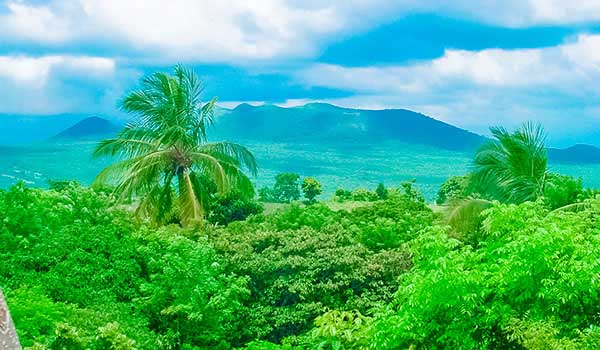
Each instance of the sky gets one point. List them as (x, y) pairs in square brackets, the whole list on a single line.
[(469, 63)]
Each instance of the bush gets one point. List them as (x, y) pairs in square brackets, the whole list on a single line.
[(381, 191), (232, 207), (561, 190), (311, 188), (363, 195), (456, 187), (286, 188), (80, 275), (342, 195), (531, 285), (299, 268)]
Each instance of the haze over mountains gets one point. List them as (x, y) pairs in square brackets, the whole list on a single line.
[(311, 123)]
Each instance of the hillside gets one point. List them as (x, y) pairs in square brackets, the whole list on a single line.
[(331, 124), (579, 153), (90, 127)]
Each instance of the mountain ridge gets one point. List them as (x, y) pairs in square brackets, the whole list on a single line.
[(90, 127)]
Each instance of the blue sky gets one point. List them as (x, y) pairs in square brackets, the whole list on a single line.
[(472, 64)]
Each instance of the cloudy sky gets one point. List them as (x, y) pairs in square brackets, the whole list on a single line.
[(470, 63)]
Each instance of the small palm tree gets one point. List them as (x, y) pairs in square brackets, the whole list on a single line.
[(513, 167), (164, 155)]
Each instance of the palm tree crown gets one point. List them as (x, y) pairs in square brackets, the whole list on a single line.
[(513, 167), (165, 155)]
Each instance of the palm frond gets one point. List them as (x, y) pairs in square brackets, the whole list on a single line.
[(512, 168), (464, 215)]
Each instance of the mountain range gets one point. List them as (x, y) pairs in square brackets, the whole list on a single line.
[(330, 125)]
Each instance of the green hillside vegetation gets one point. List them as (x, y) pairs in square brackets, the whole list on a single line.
[(172, 249)]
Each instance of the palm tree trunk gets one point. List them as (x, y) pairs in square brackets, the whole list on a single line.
[(8, 334), (191, 208)]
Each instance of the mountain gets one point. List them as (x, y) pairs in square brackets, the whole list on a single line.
[(24, 129), (91, 127), (579, 153), (325, 123)]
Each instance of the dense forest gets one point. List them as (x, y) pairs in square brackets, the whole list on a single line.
[(172, 248)]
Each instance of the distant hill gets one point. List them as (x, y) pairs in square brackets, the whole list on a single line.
[(331, 124), (579, 153), (91, 127)]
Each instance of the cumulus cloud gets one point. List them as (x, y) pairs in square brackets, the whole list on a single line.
[(192, 30), (562, 67), (477, 88), (58, 84), (238, 30)]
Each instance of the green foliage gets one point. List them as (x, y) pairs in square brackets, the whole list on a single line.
[(187, 296), (561, 190), (455, 188), (532, 284), (381, 191), (302, 261), (233, 206), (340, 330), (286, 188), (363, 195), (342, 195), (311, 188), (390, 223), (80, 274), (512, 168), (164, 152)]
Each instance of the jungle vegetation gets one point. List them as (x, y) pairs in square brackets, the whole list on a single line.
[(509, 258)]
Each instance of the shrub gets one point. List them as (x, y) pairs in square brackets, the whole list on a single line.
[(531, 285), (456, 187), (363, 195), (311, 188), (561, 190), (342, 195), (286, 188), (232, 206), (381, 191), (299, 268)]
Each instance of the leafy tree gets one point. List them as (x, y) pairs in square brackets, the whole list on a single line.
[(165, 151), (381, 191), (311, 188), (342, 195), (265, 194), (286, 188), (363, 195), (561, 190), (455, 187), (532, 285), (231, 207)]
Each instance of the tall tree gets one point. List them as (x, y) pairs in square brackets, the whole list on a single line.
[(165, 152)]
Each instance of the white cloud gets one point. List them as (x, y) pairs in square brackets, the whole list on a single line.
[(34, 72), (57, 84), (34, 23), (192, 30), (238, 30), (475, 89), (562, 67)]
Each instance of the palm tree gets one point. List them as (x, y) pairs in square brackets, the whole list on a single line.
[(165, 156), (512, 168)]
